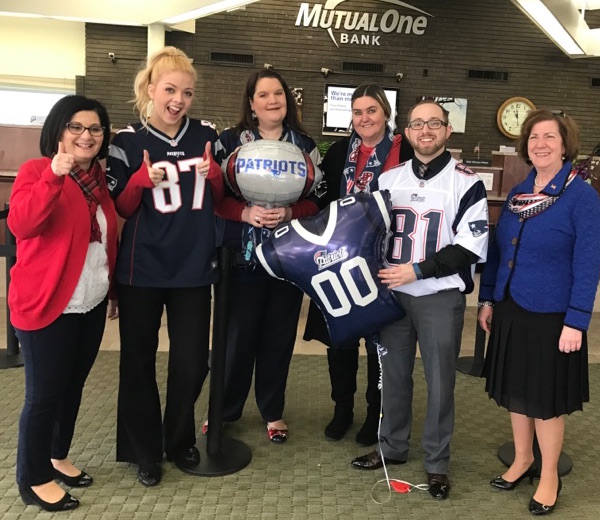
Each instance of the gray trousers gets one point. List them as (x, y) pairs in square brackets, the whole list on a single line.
[(435, 322)]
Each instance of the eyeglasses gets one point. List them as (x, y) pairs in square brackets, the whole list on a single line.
[(78, 129), (433, 124)]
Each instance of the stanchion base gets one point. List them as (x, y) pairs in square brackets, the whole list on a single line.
[(234, 456), (467, 365), (10, 361), (506, 454)]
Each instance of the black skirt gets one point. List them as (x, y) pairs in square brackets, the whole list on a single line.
[(524, 370)]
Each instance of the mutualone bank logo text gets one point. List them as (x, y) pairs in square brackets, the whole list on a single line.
[(366, 27)]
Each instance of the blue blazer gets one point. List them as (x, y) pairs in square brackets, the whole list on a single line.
[(549, 262)]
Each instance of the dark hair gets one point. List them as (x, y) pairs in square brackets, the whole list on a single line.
[(291, 117), (374, 91), (427, 102), (567, 128), (61, 113)]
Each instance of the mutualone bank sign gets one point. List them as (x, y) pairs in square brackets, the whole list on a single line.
[(362, 28)]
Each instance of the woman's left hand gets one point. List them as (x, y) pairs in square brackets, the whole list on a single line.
[(275, 216), (112, 312), (570, 340)]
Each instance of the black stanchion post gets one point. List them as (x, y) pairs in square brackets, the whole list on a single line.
[(11, 357), (506, 454), (222, 455)]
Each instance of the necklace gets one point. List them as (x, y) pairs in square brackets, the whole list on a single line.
[(538, 185)]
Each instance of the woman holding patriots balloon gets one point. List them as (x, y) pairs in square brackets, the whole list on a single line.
[(263, 311)]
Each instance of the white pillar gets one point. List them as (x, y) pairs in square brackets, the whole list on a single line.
[(156, 37)]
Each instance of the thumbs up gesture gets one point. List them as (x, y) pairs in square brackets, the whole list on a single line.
[(62, 162), (204, 166), (156, 174)]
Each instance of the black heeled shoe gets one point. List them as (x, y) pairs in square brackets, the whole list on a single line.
[(505, 485), (66, 503), (537, 509), (81, 480)]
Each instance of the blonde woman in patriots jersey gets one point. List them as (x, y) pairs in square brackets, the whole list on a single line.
[(165, 183), (440, 230)]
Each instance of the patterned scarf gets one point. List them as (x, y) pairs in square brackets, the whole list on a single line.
[(528, 205), (367, 179), (91, 184)]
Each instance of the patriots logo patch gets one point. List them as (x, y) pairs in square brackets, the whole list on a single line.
[(246, 137), (478, 227), (111, 182)]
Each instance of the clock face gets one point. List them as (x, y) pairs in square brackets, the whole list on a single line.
[(511, 115)]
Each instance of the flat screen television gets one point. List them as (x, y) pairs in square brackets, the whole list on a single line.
[(337, 110)]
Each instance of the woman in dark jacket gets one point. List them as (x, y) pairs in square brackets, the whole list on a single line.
[(263, 311), (352, 165)]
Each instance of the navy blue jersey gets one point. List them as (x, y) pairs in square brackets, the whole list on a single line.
[(170, 239), (334, 257)]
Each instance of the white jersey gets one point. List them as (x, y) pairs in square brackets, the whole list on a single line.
[(427, 215)]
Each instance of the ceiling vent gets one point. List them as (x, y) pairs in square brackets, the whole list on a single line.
[(232, 58), (490, 75), (364, 67)]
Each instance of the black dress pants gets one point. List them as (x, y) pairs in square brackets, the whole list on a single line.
[(263, 317), (140, 427)]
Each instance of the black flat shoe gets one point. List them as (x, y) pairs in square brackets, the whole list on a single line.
[(373, 460), (66, 503), (505, 485), (186, 459), (537, 509), (81, 480), (439, 486), (150, 475)]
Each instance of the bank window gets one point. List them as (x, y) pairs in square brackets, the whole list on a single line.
[(25, 107)]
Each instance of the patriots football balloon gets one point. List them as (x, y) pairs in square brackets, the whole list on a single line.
[(271, 173)]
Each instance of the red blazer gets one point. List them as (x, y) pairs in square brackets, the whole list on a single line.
[(49, 217)]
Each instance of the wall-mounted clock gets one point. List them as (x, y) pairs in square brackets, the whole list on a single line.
[(511, 115)]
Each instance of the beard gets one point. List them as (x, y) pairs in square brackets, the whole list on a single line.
[(432, 149)]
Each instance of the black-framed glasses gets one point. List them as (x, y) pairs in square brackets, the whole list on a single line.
[(78, 129), (433, 124)]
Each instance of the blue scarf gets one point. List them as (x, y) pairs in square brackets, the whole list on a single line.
[(367, 179)]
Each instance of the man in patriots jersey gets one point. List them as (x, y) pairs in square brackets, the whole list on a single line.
[(334, 257), (165, 184), (439, 226)]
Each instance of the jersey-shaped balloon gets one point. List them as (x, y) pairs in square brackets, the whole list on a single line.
[(334, 258)]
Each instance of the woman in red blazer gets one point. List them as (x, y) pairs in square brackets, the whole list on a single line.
[(66, 229)]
